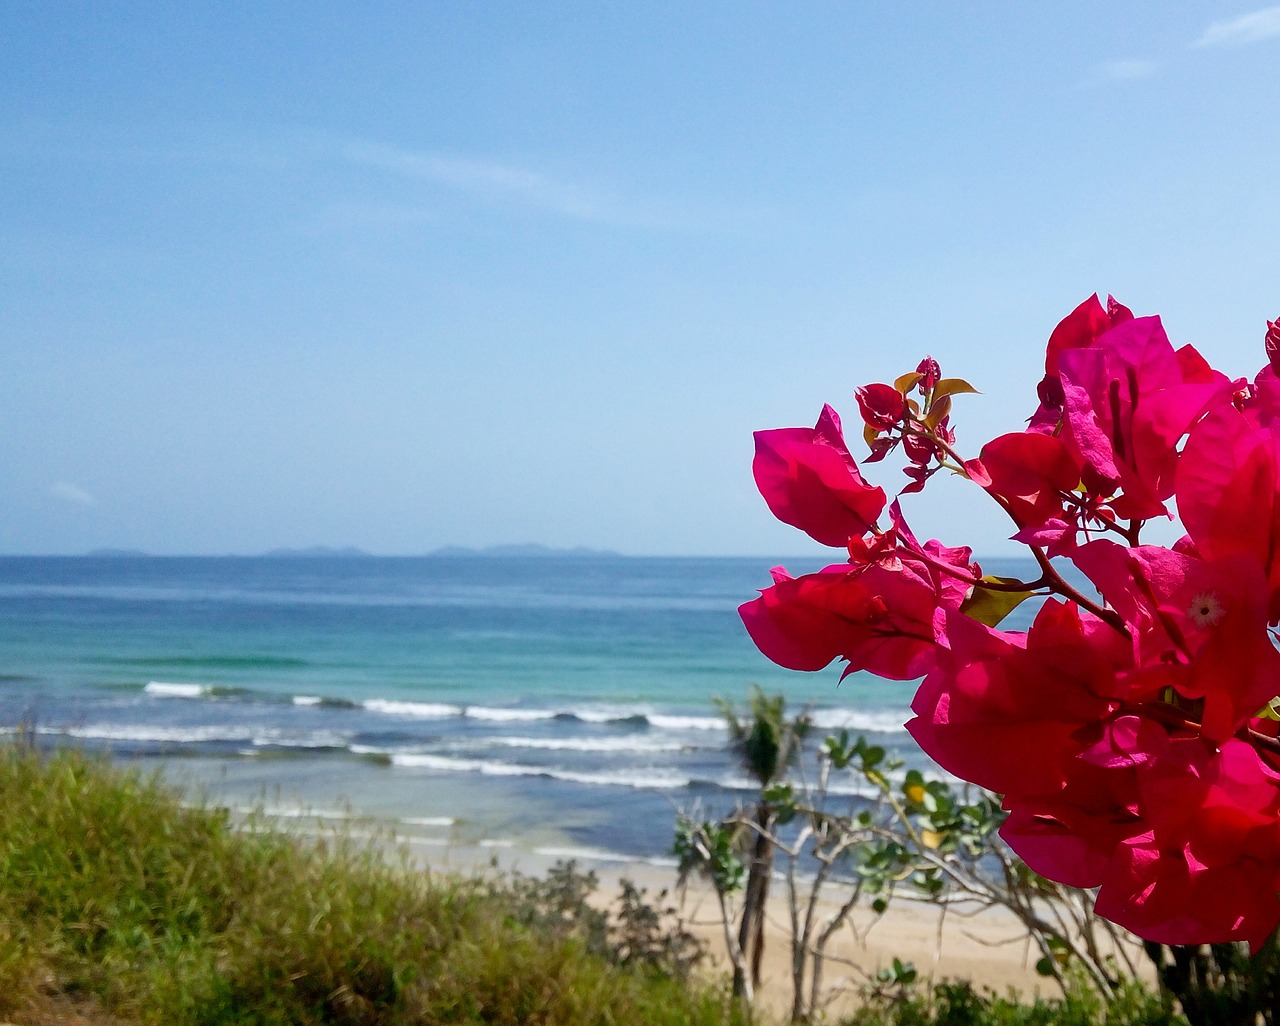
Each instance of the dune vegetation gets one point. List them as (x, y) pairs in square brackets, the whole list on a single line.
[(121, 904), (118, 903)]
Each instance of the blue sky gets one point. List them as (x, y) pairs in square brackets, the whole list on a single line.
[(406, 275)]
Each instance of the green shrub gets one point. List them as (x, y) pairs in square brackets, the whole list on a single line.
[(110, 888), (953, 1003)]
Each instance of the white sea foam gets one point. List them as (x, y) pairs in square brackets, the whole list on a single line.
[(606, 715), (279, 811), (310, 739), (591, 744), (879, 721), (665, 722), (428, 821), (585, 854), (482, 712), (662, 861), (421, 760), (495, 842), (658, 779), (646, 779), (153, 733), (307, 700), (167, 690), (305, 812), (420, 710)]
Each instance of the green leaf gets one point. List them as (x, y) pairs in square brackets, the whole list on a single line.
[(879, 905), (1044, 967), (779, 794), (1270, 711), (937, 412), (989, 606), (953, 386), (907, 382)]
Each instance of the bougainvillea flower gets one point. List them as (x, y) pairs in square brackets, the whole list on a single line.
[(1198, 626), (930, 374), (1071, 835), (1128, 400), (1132, 736), (1056, 536), (1220, 613), (1135, 582), (1003, 709), (948, 570), (882, 406), (810, 481), (952, 571), (875, 619), (1228, 492), (1205, 872), (1080, 328), (1166, 895), (1030, 472)]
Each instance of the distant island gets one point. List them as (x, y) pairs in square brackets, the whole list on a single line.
[(116, 554), (530, 549), (316, 552)]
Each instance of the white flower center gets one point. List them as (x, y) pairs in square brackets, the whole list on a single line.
[(1206, 610)]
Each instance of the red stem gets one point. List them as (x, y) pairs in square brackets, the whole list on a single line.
[(1050, 577)]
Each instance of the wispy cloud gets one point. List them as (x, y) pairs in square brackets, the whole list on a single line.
[(1131, 69), (1244, 30), (296, 155), (1128, 70), (68, 492), (513, 184)]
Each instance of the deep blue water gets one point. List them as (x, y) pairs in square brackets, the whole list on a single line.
[(540, 701)]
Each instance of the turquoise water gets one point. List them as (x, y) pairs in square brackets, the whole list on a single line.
[(561, 703)]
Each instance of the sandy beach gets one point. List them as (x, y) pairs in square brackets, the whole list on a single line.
[(987, 947)]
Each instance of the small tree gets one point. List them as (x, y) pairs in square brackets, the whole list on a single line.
[(768, 745), (909, 832)]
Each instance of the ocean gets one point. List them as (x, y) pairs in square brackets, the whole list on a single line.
[(554, 705)]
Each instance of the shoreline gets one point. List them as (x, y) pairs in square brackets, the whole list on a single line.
[(986, 947)]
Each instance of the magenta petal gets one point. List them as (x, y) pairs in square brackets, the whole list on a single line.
[(1128, 400), (1055, 535), (1059, 841), (810, 481), (1165, 895), (876, 619)]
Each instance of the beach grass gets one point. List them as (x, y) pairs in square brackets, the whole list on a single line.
[(121, 904), (117, 897)]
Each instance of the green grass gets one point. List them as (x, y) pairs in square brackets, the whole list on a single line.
[(111, 889), (124, 906), (953, 1003)]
